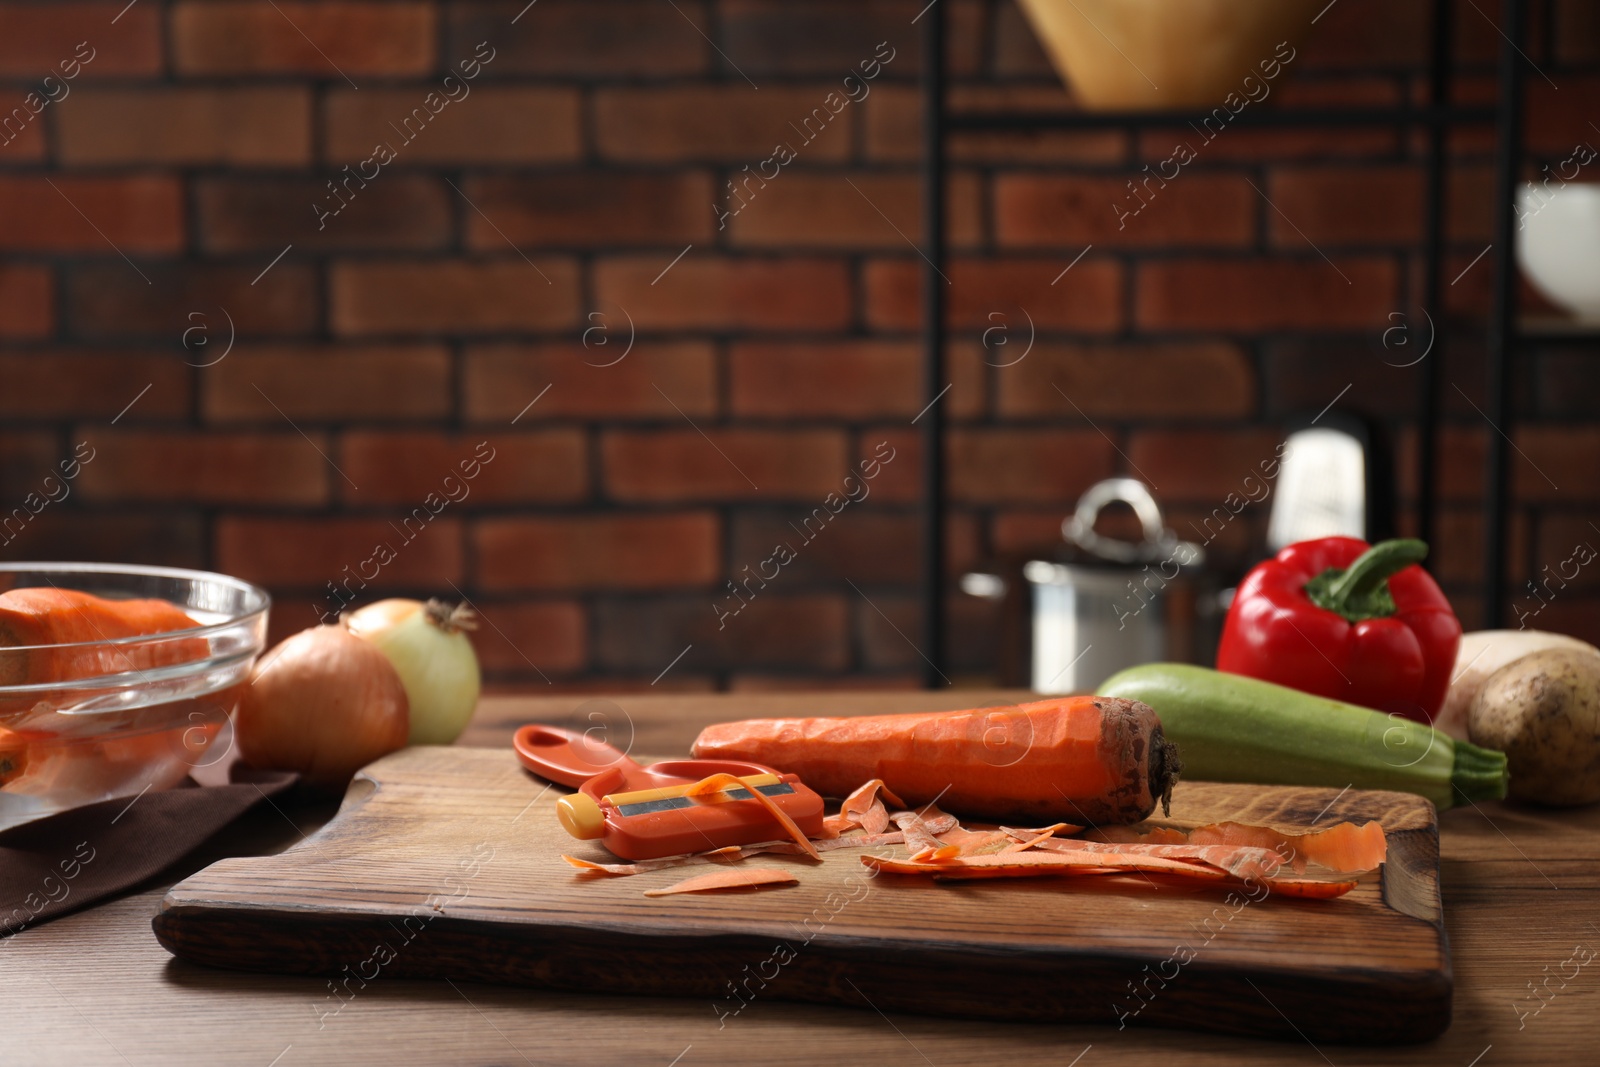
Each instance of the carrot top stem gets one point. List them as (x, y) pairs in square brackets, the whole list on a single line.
[(1165, 769)]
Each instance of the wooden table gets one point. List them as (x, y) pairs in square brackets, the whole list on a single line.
[(1521, 894)]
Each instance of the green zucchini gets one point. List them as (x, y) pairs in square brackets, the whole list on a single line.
[(1230, 728)]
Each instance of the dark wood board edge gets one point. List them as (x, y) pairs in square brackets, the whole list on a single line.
[(1411, 875), (1410, 881), (1356, 1006)]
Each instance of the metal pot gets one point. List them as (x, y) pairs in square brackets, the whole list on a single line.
[(1104, 604)]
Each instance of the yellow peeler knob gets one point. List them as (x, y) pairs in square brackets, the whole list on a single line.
[(581, 816)]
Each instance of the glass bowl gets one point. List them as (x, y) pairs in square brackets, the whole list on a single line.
[(152, 710)]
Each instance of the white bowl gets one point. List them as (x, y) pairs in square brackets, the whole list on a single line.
[(1558, 244)]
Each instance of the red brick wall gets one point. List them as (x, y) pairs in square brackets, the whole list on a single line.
[(513, 247)]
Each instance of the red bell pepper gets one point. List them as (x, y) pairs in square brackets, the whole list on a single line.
[(1337, 618)]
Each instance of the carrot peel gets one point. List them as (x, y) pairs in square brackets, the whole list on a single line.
[(1038, 837), (920, 835), (740, 879), (789, 848), (1308, 887), (1035, 864), (719, 783), (729, 854), (1341, 847)]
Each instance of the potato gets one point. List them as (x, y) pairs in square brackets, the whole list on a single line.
[(1480, 655), (1543, 712)]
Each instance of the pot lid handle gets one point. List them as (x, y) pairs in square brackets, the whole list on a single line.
[(1079, 528)]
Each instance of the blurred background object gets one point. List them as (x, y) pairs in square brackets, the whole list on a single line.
[(1558, 245), (1164, 53), (586, 278), (1335, 479), (1100, 602)]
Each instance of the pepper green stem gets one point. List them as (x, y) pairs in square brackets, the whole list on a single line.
[(1361, 591)]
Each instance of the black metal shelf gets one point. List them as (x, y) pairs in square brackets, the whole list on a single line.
[(1259, 117), (1503, 338), (1554, 331), (1436, 118)]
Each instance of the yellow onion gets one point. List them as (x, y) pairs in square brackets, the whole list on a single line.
[(434, 658), (323, 703)]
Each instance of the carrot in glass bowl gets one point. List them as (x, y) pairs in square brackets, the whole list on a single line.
[(119, 692), (83, 625)]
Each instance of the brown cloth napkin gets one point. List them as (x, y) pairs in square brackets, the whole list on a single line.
[(67, 861)]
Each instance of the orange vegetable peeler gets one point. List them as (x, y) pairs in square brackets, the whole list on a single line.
[(642, 813)]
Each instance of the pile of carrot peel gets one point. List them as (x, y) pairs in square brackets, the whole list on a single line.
[(1321, 864)]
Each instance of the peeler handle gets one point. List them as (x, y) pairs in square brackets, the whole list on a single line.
[(569, 757)]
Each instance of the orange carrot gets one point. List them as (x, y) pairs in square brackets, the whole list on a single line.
[(1080, 759), (735, 879), (51, 616)]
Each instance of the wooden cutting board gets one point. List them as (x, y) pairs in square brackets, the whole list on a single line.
[(444, 863)]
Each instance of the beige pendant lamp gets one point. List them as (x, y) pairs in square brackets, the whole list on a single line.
[(1128, 55)]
